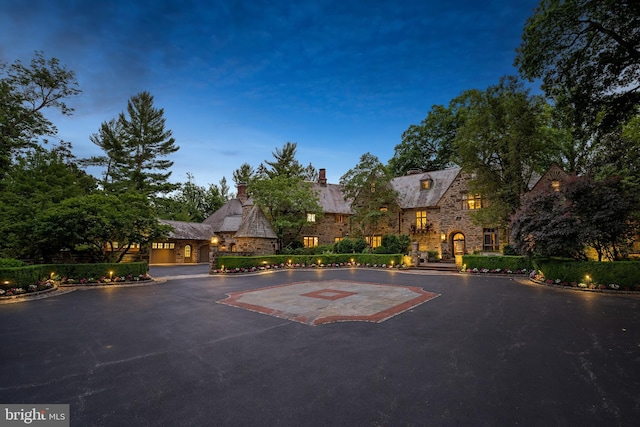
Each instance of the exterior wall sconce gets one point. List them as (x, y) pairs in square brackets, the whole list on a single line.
[(443, 237), (214, 240)]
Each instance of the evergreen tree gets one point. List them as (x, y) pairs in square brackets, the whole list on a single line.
[(136, 147)]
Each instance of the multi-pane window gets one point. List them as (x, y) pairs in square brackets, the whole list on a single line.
[(310, 241), (339, 218), (337, 239), (311, 217), (471, 201), (163, 245), (421, 220), (374, 241), (187, 251), (555, 185), (490, 242), (426, 184)]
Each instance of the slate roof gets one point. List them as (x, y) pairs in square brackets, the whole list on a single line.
[(188, 230), (410, 195), (226, 219), (256, 225), (331, 199)]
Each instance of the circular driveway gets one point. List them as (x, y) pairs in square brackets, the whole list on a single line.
[(487, 351)]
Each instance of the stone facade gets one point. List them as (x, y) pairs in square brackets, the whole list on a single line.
[(434, 208)]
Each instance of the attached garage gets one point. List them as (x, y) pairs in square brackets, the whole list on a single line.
[(187, 243)]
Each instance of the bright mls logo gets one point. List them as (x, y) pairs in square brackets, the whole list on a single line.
[(37, 415)]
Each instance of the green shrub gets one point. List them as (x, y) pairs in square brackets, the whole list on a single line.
[(396, 243), (10, 262), (22, 277), (622, 273), (509, 250), (349, 246), (233, 262), (512, 263)]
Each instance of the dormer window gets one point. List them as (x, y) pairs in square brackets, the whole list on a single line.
[(555, 185), (426, 184)]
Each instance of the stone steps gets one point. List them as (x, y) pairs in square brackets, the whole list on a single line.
[(437, 266)]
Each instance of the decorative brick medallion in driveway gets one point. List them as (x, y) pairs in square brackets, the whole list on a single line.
[(315, 303)]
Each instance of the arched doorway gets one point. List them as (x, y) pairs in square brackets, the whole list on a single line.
[(458, 244)]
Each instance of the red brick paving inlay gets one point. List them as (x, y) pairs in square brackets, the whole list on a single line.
[(318, 302)]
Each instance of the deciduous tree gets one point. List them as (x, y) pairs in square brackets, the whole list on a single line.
[(504, 141), (427, 146), (588, 52), (373, 201), (26, 92)]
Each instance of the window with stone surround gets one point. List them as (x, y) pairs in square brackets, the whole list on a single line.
[(311, 217), (426, 184), (339, 218), (472, 201), (490, 242), (421, 220), (310, 241)]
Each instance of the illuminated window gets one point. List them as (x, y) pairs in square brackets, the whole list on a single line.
[(490, 240), (339, 218), (374, 241), (426, 184), (311, 217), (187, 251), (115, 245), (472, 202), (421, 220), (157, 245), (383, 209), (555, 185), (310, 241), (337, 239)]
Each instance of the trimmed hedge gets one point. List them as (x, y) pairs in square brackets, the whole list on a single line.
[(22, 277), (497, 262), (233, 262), (625, 274)]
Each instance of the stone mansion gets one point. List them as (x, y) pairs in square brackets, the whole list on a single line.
[(433, 208)]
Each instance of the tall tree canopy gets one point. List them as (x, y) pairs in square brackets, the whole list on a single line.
[(427, 146), (26, 91), (136, 147), (368, 187), (286, 164), (36, 181), (587, 53), (282, 190), (504, 141)]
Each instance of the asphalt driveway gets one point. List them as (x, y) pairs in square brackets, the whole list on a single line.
[(488, 351)]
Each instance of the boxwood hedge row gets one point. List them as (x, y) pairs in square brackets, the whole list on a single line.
[(22, 277), (233, 262)]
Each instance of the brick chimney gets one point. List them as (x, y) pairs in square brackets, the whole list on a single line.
[(322, 176), (242, 192)]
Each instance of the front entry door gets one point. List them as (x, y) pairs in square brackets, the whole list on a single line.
[(458, 244)]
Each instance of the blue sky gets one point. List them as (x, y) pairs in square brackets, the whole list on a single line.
[(238, 79)]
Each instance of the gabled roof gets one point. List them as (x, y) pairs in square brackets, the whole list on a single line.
[(226, 219), (410, 194), (331, 198), (256, 225), (188, 230)]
